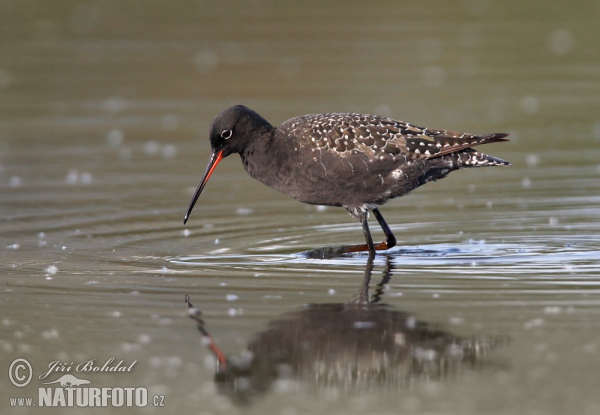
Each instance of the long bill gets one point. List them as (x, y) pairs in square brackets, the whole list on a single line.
[(214, 159)]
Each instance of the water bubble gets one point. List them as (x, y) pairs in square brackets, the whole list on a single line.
[(50, 334), (72, 176), (231, 297), (530, 104), (169, 122), (560, 41), (186, 232), (526, 183), (151, 148), (169, 151), (553, 221), (552, 310), (433, 76), (15, 181), (331, 291), (51, 269), (206, 61), (532, 160), (13, 246), (115, 137), (85, 178), (244, 211), (113, 105), (321, 208)]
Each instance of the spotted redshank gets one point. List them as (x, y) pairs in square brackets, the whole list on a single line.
[(355, 161)]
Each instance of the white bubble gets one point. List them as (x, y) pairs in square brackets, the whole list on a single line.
[(151, 148), (50, 334), (72, 176), (85, 178), (560, 41), (15, 181), (553, 221), (526, 183), (231, 297), (169, 122), (113, 105), (530, 104), (321, 208), (13, 246), (206, 61), (169, 151), (331, 291), (433, 76), (552, 310), (532, 160), (51, 269), (186, 232), (115, 137), (244, 211)]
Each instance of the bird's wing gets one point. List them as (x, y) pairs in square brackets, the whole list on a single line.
[(347, 134)]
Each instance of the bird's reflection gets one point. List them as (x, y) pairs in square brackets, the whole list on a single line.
[(354, 346)]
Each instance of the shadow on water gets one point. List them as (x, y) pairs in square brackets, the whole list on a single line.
[(352, 347)]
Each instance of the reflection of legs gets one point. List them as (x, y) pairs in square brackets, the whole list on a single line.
[(385, 278), (217, 352), (362, 297), (389, 242)]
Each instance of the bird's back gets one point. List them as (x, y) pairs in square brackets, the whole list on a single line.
[(356, 160)]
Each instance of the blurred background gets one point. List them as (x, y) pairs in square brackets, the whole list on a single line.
[(104, 112)]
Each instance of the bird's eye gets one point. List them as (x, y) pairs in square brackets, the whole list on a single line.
[(226, 134)]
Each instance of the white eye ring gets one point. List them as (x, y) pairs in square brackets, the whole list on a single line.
[(226, 134)]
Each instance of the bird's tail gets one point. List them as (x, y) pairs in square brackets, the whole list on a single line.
[(473, 158)]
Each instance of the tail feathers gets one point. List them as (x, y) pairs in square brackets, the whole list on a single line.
[(472, 158), (452, 144)]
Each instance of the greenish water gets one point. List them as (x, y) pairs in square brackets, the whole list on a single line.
[(104, 111)]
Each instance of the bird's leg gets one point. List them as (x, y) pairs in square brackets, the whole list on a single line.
[(389, 242), (365, 224)]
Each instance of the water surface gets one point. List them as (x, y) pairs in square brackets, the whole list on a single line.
[(104, 111)]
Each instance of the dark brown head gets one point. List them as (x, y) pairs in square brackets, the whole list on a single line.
[(232, 130)]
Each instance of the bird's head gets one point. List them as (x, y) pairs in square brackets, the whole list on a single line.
[(231, 131)]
